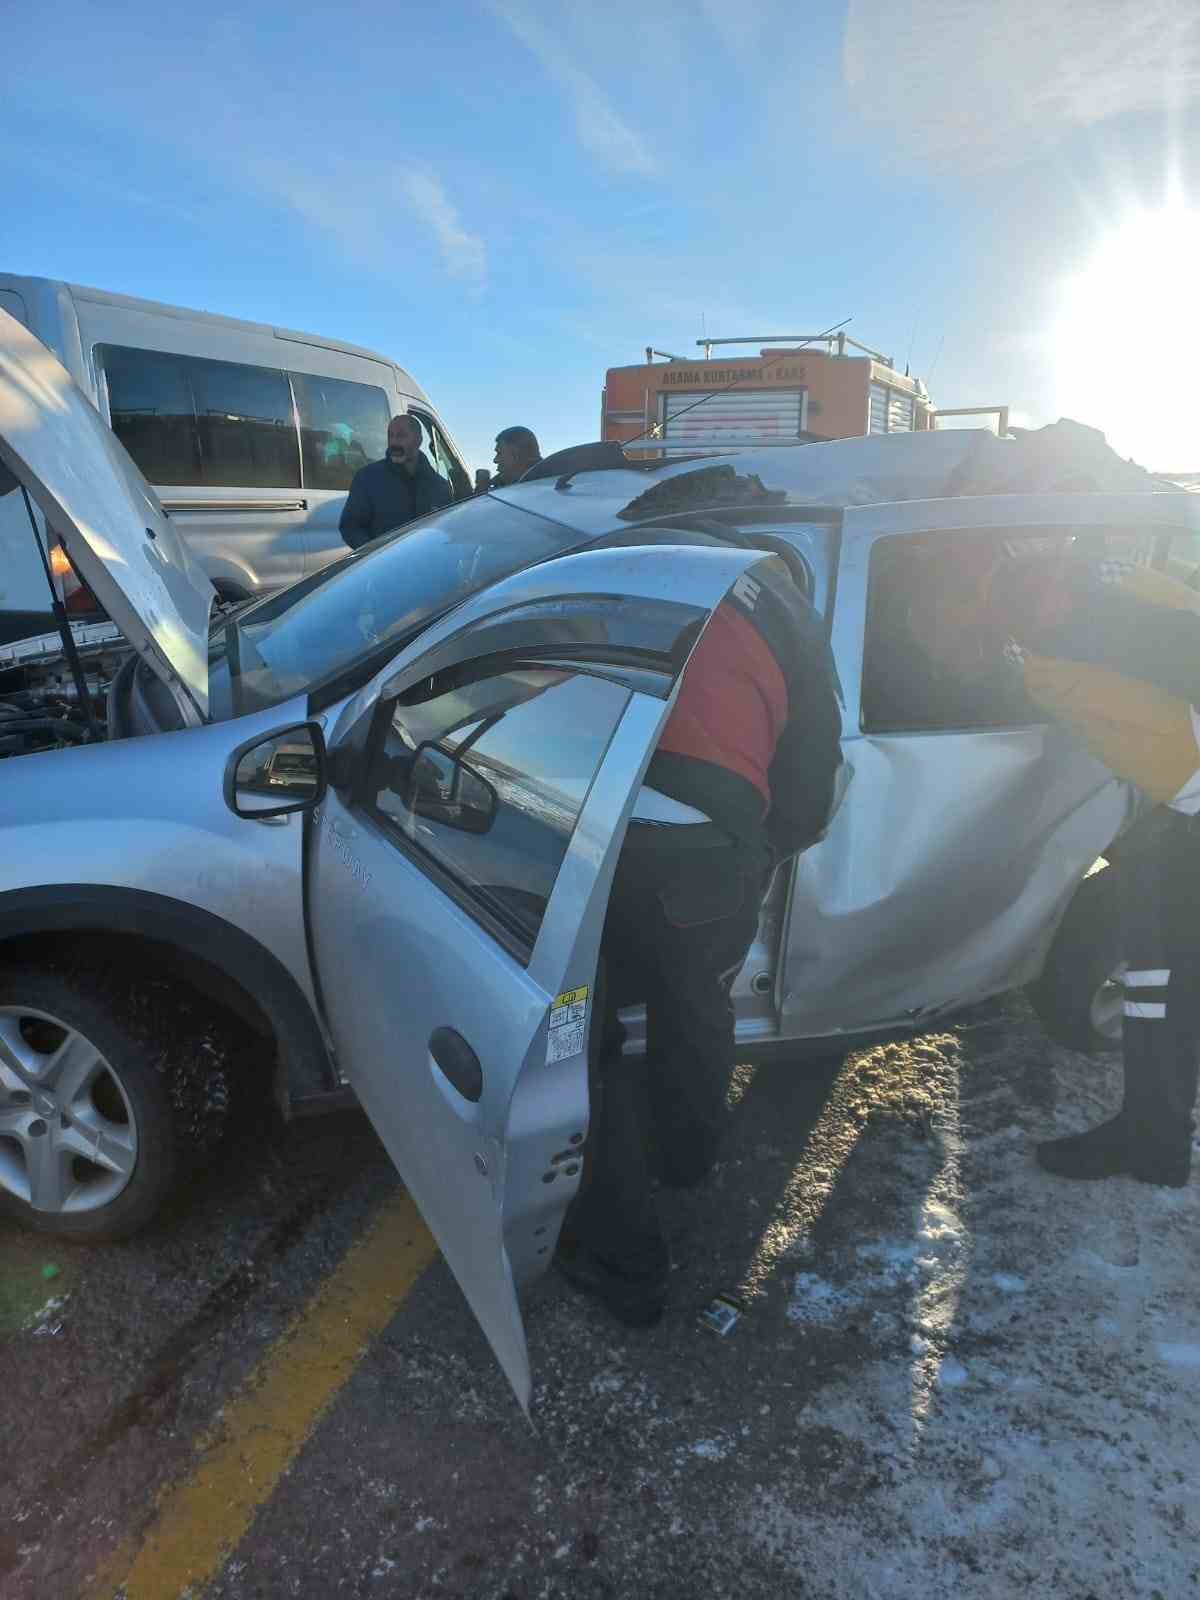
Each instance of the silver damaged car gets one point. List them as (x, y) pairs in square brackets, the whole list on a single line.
[(369, 824)]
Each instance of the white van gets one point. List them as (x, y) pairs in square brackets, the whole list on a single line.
[(249, 433)]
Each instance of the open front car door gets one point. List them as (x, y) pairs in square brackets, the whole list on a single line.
[(458, 878)]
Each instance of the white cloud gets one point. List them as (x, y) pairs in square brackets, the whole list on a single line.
[(340, 202), (463, 252), (602, 130), (979, 84)]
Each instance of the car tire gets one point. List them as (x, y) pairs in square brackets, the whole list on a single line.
[(1078, 996), (110, 1095)]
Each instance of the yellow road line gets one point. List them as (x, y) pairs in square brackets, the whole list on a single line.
[(198, 1522)]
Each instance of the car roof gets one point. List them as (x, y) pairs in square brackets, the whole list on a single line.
[(867, 470)]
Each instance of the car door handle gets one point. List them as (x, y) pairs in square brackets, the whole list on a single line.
[(453, 1056)]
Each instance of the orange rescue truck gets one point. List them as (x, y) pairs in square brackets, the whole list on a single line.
[(818, 387)]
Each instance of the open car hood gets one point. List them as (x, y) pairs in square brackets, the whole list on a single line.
[(54, 441)]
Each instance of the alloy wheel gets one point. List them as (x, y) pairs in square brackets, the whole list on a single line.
[(68, 1134)]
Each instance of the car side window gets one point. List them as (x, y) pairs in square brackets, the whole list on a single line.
[(486, 780), (343, 426), (929, 665)]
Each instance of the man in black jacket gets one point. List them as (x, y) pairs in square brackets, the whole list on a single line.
[(744, 775), (517, 450), (386, 494)]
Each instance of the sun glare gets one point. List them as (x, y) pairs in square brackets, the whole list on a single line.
[(1128, 328)]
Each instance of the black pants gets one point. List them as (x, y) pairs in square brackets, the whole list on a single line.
[(1160, 928), (682, 915)]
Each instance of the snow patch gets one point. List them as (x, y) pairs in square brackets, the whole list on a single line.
[(952, 1374), (816, 1300), (1178, 1355), (709, 1449), (607, 1383), (1008, 1282)]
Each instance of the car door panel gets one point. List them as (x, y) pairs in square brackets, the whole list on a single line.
[(401, 956), (380, 922), (955, 852), (943, 876)]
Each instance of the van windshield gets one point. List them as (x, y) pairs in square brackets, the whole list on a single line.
[(356, 609)]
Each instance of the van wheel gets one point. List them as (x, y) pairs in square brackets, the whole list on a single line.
[(1078, 997), (87, 1146)]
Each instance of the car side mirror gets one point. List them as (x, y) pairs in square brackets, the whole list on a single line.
[(282, 771), (445, 790)]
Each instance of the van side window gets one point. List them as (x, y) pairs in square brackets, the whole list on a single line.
[(150, 404), (186, 420), (246, 425), (342, 427)]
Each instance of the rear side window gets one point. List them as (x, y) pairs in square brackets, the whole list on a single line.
[(934, 651), (928, 664), (487, 780), (342, 427), (153, 415)]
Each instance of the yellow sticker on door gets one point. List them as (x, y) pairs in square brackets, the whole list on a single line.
[(567, 1033)]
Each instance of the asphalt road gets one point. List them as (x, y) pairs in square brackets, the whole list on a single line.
[(953, 1376)]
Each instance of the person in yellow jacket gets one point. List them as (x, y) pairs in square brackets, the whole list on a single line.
[(1111, 650)]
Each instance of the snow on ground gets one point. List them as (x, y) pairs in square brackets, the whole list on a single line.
[(958, 1378), (1030, 1399), (954, 1377)]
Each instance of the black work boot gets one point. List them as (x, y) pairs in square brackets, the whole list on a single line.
[(1170, 1166), (1117, 1147), (637, 1301), (1101, 1152), (1158, 1109)]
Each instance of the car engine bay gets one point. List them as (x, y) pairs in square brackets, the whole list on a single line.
[(40, 704)]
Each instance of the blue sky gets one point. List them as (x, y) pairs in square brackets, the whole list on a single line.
[(508, 198)]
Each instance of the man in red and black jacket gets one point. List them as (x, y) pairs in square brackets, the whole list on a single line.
[(744, 774)]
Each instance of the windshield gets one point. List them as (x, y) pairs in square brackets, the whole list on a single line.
[(351, 611)]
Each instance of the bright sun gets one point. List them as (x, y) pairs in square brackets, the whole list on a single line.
[(1128, 328)]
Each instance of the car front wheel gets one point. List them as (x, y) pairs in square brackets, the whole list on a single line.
[(86, 1143)]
